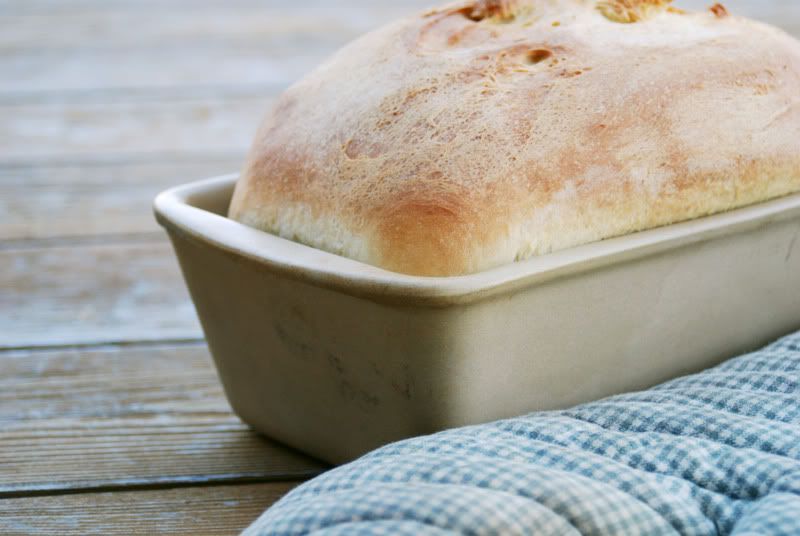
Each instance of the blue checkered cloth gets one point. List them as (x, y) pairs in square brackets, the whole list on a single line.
[(714, 453)]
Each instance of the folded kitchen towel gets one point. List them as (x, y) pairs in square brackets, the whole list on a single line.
[(713, 453)]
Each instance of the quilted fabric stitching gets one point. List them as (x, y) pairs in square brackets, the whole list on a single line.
[(713, 453)]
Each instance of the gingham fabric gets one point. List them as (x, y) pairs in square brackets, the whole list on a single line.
[(714, 453)]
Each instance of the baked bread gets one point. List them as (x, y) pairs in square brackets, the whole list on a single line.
[(489, 131)]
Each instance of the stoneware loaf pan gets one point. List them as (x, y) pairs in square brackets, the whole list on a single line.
[(336, 357)]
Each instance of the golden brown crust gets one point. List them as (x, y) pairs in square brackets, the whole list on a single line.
[(628, 11), (486, 132)]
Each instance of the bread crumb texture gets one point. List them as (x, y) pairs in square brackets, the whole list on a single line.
[(484, 132)]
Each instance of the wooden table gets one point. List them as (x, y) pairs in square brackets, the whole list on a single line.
[(112, 420)]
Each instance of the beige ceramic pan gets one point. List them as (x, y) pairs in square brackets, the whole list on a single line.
[(336, 357)]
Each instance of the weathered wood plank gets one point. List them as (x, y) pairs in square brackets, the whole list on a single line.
[(82, 6), (77, 200), (96, 418), (270, 43), (221, 127), (46, 75), (89, 294), (201, 510), (109, 26)]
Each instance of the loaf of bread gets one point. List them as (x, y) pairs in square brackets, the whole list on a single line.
[(489, 131)]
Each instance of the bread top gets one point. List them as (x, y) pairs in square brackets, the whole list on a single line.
[(490, 131)]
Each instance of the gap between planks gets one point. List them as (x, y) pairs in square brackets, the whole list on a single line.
[(132, 94), (201, 510), (15, 244), (154, 417), (107, 345), (133, 486)]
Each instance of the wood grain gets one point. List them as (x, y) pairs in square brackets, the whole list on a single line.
[(204, 510), (39, 202), (352, 7), (220, 127), (268, 43), (103, 103), (90, 294), (96, 418)]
